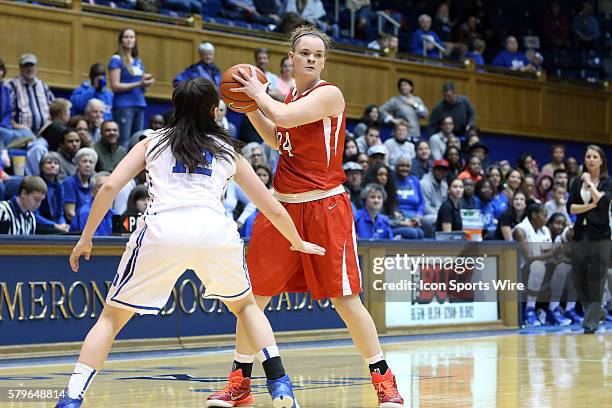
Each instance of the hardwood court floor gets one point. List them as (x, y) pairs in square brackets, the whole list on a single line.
[(528, 370)]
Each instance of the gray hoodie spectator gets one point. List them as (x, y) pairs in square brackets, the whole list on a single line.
[(435, 190)]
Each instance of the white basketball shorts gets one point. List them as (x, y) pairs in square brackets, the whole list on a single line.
[(164, 246)]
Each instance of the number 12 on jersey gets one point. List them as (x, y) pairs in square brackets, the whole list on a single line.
[(284, 145), (181, 168)]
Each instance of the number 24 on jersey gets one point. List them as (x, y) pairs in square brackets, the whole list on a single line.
[(284, 144)]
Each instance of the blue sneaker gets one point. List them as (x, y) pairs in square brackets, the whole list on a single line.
[(531, 319), (281, 391), (66, 402), (556, 318), (608, 316), (573, 315)]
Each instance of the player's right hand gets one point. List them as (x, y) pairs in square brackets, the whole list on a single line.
[(81, 248), (308, 248)]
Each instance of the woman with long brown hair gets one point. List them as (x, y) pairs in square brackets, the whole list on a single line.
[(589, 199), (128, 81)]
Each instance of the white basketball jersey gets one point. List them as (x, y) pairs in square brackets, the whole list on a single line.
[(173, 187)]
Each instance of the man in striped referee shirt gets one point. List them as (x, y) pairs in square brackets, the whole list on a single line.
[(17, 214)]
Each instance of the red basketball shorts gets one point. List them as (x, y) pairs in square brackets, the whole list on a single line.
[(328, 222)]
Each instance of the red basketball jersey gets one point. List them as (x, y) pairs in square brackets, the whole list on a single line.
[(311, 154)]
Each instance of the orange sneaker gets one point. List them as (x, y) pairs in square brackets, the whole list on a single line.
[(386, 390), (237, 392)]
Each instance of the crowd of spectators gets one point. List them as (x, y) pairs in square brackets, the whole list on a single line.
[(420, 183)]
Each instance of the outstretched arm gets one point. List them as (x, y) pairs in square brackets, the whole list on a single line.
[(329, 102), (270, 207), (127, 169)]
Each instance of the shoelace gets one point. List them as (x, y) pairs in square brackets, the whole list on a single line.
[(233, 385), (386, 389)]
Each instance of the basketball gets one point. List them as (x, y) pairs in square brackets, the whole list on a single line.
[(239, 101)]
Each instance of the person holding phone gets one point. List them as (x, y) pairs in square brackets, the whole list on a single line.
[(95, 87)]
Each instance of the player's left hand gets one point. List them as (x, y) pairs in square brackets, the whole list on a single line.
[(251, 84), (308, 248), (81, 248)]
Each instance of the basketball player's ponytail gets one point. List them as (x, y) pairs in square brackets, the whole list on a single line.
[(192, 129)]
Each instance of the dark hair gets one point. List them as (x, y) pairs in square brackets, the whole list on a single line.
[(480, 185), (520, 162), (192, 130), (470, 129), (501, 178), (120, 44), (407, 80), (556, 146), (448, 86), (106, 122), (366, 115), (603, 171), (261, 51), (557, 171), (67, 131), (348, 140), (96, 70), (444, 118), (390, 188), (446, 155), (267, 169), (2, 66), (554, 216), (512, 210), (375, 127), (139, 192), (534, 208), (282, 62)]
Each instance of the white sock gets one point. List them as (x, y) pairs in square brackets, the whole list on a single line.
[(570, 305), (267, 353), (375, 358), (531, 301), (80, 380), (553, 305), (244, 358)]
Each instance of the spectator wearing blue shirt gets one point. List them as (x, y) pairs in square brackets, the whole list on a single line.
[(8, 133), (410, 202), (106, 225), (205, 68), (50, 214), (369, 222), (484, 202), (95, 87), (77, 188), (586, 27), (512, 58), (501, 201), (476, 55), (128, 81), (423, 39)]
